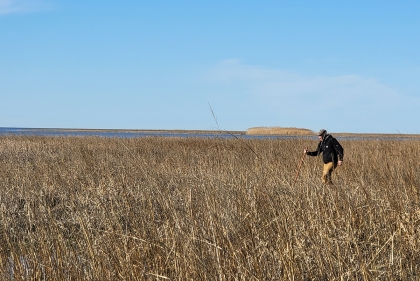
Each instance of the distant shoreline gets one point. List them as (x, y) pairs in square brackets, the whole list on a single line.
[(296, 133), (213, 132), (178, 131), (302, 132)]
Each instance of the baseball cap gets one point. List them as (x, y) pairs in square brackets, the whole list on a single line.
[(321, 132)]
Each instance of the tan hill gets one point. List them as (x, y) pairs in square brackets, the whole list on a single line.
[(279, 131)]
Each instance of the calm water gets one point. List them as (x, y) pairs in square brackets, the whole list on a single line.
[(133, 134), (124, 134)]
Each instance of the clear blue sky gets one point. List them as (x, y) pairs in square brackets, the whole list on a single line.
[(347, 66)]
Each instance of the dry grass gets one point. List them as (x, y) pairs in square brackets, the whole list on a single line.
[(206, 209), (279, 131)]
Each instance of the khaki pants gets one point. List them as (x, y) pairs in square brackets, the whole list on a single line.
[(326, 174)]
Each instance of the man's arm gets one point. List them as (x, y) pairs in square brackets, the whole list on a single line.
[(314, 153)]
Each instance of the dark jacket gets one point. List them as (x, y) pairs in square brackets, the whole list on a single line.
[(331, 150)]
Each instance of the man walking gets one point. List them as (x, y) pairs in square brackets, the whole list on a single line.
[(332, 154)]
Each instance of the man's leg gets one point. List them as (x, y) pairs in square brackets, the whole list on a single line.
[(326, 173)]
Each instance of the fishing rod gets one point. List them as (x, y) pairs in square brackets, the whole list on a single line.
[(215, 119), (263, 164)]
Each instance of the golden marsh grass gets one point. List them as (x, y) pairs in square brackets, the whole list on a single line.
[(90, 208)]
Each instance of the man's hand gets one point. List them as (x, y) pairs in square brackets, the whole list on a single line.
[(340, 163), (305, 151)]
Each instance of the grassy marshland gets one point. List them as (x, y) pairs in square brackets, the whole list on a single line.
[(206, 209)]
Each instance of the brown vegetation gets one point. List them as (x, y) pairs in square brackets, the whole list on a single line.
[(206, 209), (279, 131)]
